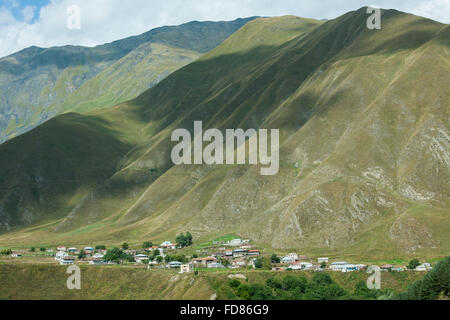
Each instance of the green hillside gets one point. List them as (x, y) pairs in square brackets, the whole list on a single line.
[(364, 147), (37, 84)]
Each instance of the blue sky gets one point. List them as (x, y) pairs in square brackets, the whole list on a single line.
[(43, 23), (17, 7)]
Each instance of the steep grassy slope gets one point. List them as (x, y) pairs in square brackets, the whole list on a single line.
[(37, 83), (363, 119), (119, 283)]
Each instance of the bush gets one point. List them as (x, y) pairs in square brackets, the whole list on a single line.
[(100, 247), (414, 263), (234, 283)]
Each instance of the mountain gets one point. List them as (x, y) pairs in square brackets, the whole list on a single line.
[(364, 147), (36, 83)]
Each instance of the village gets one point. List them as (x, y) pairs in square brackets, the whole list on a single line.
[(232, 254)]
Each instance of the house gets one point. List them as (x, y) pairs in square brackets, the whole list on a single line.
[(361, 266), (253, 252), (60, 255), (398, 269), (301, 266), (67, 260), (216, 265), (235, 242), (89, 249), (386, 267), (16, 255), (239, 252), (287, 260), (293, 256), (187, 268), (239, 263), (204, 261), (424, 267), (339, 266), (97, 261), (350, 268), (228, 253), (98, 255), (322, 260), (140, 257), (168, 245), (174, 264), (72, 250), (61, 248)]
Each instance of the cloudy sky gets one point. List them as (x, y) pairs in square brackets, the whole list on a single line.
[(43, 23)]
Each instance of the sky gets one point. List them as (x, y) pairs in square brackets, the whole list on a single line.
[(44, 23)]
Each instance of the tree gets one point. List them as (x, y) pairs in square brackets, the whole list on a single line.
[(159, 259), (100, 247), (274, 283), (258, 263), (274, 258), (260, 292), (6, 252), (147, 244), (234, 283), (413, 264), (42, 249), (323, 265), (322, 287), (125, 246), (361, 291), (82, 254), (184, 240), (432, 286), (117, 255), (32, 249), (224, 262)]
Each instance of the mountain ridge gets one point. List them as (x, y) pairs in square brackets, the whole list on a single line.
[(363, 155)]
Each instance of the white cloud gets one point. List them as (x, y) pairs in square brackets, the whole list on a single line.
[(28, 13), (108, 20)]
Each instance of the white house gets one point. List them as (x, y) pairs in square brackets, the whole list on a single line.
[(60, 255), (339, 266), (16, 254), (168, 245), (140, 257), (187, 268), (235, 242), (343, 266), (98, 256), (216, 265), (175, 264), (61, 248), (424, 267), (301, 266), (72, 250), (67, 260), (287, 260), (294, 256)]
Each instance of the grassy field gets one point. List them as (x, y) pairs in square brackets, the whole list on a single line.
[(48, 281)]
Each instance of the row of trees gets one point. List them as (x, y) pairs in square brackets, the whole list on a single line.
[(320, 287)]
